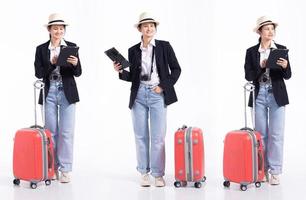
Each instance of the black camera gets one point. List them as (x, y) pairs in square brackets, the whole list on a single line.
[(265, 78), (145, 77)]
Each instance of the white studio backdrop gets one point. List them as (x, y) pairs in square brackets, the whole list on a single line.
[(210, 38)]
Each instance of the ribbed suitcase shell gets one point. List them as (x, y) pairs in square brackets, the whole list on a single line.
[(33, 155), (243, 161), (189, 155)]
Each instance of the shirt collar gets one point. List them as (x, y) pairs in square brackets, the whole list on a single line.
[(152, 43), (261, 49), (63, 43)]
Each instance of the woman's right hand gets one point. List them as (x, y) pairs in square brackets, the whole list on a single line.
[(54, 60), (117, 67), (263, 63)]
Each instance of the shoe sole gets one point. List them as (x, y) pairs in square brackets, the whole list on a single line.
[(65, 181), (159, 185), (145, 185)]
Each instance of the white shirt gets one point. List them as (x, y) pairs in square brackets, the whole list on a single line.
[(55, 51), (146, 63), (264, 54)]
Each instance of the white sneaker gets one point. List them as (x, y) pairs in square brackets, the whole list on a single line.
[(275, 180), (56, 175), (65, 177), (145, 180), (160, 182)]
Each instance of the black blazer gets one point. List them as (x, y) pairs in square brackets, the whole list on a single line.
[(253, 71), (43, 69), (168, 70)]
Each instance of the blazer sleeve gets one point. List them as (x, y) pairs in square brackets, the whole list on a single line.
[(126, 75), (42, 71), (286, 73), (72, 70), (252, 68), (173, 65)]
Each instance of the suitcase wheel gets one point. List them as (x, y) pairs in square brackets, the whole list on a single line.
[(16, 181), (243, 187), (177, 184), (226, 184), (33, 185), (47, 182), (184, 183), (257, 184), (197, 184), (203, 179)]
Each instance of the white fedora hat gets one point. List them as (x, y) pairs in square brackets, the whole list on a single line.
[(264, 20), (56, 19), (146, 17)]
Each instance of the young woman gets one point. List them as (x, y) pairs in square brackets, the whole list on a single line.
[(271, 95), (154, 71), (61, 94)]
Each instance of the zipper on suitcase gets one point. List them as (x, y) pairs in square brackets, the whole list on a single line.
[(254, 155), (188, 154), (44, 142)]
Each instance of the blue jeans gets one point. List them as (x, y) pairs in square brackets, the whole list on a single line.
[(149, 121), (270, 122), (60, 116)]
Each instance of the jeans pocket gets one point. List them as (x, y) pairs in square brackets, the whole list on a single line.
[(159, 94)]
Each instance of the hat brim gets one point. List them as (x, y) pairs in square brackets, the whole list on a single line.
[(256, 29), (57, 23), (146, 21)]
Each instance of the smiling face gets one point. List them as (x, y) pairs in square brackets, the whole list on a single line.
[(267, 32), (57, 32), (147, 29)]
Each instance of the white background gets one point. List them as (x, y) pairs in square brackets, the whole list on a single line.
[(209, 37)]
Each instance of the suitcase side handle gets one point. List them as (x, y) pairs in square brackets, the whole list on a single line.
[(36, 126), (260, 161), (246, 129), (183, 127), (50, 158)]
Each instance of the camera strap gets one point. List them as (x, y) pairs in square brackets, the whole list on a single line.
[(152, 60)]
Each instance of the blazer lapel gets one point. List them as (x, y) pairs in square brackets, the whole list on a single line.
[(158, 54), (138, 57), (257, 55), (46, 52)]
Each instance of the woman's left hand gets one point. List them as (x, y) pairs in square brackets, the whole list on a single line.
[(282, 62), (158, 89), (73, 60)]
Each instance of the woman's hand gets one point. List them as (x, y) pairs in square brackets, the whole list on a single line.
[(282, 62), (157, 89), (54, 60), (117, 67), (263, 63), (73, 60)]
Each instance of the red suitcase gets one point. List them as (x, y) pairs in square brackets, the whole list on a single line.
[(189, 157), (243, 158), (33, 153)]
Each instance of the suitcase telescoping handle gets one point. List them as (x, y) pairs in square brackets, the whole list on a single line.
[(39, 85), (249, 87)]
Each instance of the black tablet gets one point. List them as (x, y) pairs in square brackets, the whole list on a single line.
[(274, 55), (114, 55), (65, 52)]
